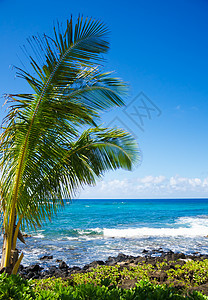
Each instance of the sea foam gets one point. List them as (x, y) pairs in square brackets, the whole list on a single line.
[(191, 227)]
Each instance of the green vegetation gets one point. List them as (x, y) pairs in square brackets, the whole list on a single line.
[(191, 274), (14, 287), (108, 282), (46, 150), (143, 290)]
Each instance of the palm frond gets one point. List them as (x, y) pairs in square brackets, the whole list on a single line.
[(81, 162), (42, 155)]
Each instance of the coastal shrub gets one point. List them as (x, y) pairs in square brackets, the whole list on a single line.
[(115, 274), (176, 273), (108, 282), (192, 273), (53, 289), (15, 287)]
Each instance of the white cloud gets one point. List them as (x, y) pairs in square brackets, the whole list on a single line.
[(205, 182), (184, 183), (151, 179), (114, 185), (149, 187)]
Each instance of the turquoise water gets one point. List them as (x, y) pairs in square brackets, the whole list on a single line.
[(87, 230)]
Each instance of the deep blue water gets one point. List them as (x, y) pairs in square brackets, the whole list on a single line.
[(87, 230)]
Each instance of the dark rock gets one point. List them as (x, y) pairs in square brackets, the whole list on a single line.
[(179, 256), (46, 257), (154, 251), (172, 266), (165, 268), (160, 276), (76, 268), (139, 259), (37, 276), (61, 273), (145, 251), (121, 257), (52, 270), (152, 261), (44, 274), (21, 267), (2, 270), (34, 268), (169, 257), (155, 275), (94, 264), (124, 261), (26, 235), (163, 276), (191, 257), (128, 283), (30, 275), (22, 273), (203, 256), (63, 265), (169, 253), (110, 261)]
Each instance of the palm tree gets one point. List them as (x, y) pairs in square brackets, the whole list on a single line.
[(51, 145)]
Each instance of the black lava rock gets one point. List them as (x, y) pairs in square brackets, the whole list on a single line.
[(63, 265), (46, 257)]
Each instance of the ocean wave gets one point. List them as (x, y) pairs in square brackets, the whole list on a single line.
[(160, 232), (75, 233), (183, 226), (193, 221), (190, 227), (199, 231), (38, 236)]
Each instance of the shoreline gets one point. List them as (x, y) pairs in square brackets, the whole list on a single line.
[(37, 271), (182, 272)]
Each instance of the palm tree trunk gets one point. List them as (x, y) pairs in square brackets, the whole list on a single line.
[(3, 251), (9, 251), (12, 259)]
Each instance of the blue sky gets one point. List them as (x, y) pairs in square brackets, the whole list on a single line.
[(160, 49)]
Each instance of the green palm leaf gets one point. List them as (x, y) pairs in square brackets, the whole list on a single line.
[(44, 157)]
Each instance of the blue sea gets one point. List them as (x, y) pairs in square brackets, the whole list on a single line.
[(88, 230)]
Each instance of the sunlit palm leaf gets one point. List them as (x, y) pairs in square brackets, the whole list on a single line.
[(43, 156)]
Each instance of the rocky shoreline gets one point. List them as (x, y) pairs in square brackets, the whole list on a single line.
[(36, 271)]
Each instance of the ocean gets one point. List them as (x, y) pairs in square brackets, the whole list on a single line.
[(88, 230)]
